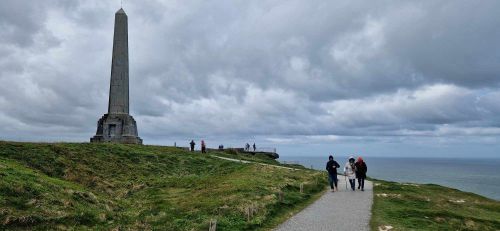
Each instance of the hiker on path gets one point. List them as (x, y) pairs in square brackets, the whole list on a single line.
[(203, 147), (331, 167), (350, 172), (254, 147), (192, 144), (361, 170)]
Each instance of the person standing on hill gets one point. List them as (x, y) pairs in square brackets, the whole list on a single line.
[(203, 147), (361, 170), (254, 147), (331, 167), (192, 145), (349, 171)]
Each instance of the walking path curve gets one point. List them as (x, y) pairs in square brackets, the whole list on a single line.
[(251, 162), (342, 210)]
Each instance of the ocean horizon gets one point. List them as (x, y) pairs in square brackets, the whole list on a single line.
[(476, 175)]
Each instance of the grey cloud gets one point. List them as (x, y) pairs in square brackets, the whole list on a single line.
[(255, 68)]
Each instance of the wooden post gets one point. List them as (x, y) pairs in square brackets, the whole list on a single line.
[(213, 225), (281, 196), (301, 187)]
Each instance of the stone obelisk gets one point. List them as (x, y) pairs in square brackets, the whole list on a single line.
[(117, 125)]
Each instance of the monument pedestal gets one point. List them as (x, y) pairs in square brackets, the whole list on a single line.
[(117, 128)]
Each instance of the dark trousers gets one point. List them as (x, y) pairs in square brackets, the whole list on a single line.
[(332, 180), (361, 182), (352, 183), (192, 148)]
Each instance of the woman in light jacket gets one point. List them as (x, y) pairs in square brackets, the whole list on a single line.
[(350, 172)]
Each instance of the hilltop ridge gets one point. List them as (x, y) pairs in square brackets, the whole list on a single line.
[(109, 186)]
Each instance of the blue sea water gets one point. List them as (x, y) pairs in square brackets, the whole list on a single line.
[(480, 176)]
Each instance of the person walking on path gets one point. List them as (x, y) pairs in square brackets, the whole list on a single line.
[(192, 144), (254, 147), (331, 167), (203, 147), (361, 170), (349, 171)]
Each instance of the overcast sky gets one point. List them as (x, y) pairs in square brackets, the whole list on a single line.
[(311, 77)]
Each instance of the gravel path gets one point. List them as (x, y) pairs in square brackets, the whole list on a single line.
[(342, 210)]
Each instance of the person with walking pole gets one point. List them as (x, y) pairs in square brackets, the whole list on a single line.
[(349, 172)]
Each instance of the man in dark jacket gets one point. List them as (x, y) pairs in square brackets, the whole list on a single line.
[(331, 167), (192, 145), (361, 170)]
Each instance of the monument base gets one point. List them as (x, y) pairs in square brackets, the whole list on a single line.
[(116, 128)]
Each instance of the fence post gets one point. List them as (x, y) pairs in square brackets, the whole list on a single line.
[(248, 214), (251, 210), (281, 196), (301, 187), (213, 225)]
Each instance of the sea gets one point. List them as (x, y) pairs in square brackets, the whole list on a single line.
[(480, 176)]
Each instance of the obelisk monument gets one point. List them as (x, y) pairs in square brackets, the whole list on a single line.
[(117, 125)]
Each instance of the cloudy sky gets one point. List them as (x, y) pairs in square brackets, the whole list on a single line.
[(311, 77)]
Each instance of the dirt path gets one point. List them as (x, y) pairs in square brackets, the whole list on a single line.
[(251, 162)]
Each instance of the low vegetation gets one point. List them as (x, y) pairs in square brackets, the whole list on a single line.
[(431, 207), (130, 187)]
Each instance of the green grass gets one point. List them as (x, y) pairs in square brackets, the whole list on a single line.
[(131, 187), (431, 207)]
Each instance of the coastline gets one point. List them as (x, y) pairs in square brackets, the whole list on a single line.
[(469, 175)]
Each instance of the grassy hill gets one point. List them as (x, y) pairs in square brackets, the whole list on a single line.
[(120, 187), (431, 207)]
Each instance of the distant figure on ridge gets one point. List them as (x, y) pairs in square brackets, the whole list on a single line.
[(350, 172), (331, 167), (254, 147), (203, 147), (192, 144), (247, 147), (361, 170)]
